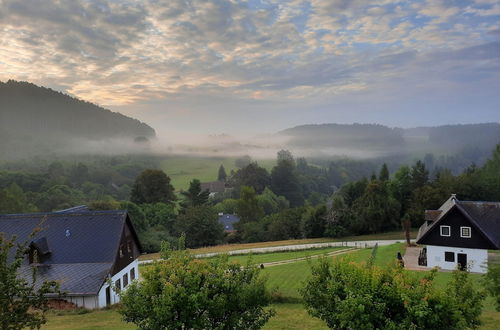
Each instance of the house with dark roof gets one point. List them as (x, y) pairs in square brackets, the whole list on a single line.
[(84, 251), (459, 234), (228, 221), (215, 187)]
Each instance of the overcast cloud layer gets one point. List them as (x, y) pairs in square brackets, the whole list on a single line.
[(256, 66)]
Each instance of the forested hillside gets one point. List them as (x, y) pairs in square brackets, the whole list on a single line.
[(34, 118), (451, 146)]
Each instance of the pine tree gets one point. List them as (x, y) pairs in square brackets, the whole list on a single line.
[(384, 173), (222, 176)]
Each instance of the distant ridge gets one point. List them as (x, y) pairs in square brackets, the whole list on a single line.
[(35, 118), (474, 138)]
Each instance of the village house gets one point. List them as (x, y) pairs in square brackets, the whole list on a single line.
[(84, 251), (215, 187), (459, 234)]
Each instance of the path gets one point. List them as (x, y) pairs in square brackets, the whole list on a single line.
[(411, 258)]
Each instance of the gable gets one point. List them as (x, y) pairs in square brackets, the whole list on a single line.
[(128, 250), (456, 218)]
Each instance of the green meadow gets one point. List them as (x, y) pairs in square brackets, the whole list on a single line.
[(183, 169), (285, 280)]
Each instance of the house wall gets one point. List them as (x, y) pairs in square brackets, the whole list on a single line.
[(477, 259), (89, 302), (114, 295)]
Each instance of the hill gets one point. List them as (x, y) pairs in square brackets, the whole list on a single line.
[(475, 141), (38, 118)]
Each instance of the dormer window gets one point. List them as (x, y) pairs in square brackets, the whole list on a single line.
[(465, 232), (445, 231)]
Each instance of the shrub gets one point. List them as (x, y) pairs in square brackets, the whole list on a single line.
[(186, 293), (350, 296)]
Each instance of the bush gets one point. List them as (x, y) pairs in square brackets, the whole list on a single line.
[(186, 293), (350, 296)]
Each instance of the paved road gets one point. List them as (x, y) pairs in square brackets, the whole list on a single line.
[(355, 244)]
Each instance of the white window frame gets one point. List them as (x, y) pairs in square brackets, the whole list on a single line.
[(441, 231), (461, 233)]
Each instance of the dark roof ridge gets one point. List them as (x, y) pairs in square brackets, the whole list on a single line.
[(61, 214)]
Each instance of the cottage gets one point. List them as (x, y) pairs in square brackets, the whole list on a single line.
[(459, 234), (83, 250)]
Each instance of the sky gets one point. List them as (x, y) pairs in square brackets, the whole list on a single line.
[(259, 66)]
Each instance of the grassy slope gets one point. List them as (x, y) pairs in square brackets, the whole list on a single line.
[(234, 247), (183, 169)]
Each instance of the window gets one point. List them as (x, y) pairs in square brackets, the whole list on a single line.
[(118, 285), (465, 232), (121, 251), (125, 280), (132, 274), (445, 231), (449, 256), (129, 247)]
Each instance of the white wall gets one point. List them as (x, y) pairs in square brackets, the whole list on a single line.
[(477, 259), (114, 296)]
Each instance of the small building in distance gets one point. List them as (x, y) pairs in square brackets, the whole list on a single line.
[(215, 187), (459, 234), (84, 251), (228, 221)]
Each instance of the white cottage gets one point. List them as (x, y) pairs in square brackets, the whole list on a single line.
[(84, 251), (459, 234)]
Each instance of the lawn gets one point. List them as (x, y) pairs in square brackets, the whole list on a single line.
[(183, 169), (234, 247)]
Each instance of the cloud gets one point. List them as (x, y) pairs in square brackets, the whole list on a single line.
[(176, 52)]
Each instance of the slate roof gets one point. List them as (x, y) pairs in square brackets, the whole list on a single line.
[(83, 245), (214, 186), (228, 221), (485, 215)]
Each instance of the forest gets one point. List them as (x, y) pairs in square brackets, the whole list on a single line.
[(295, 199)]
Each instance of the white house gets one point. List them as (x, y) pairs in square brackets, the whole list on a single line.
[(459, 234), (84, 251)]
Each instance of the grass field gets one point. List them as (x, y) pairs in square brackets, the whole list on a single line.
[(233, 247), (287, 279), (183, 169)]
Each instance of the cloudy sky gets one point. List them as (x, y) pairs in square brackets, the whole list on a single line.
[(258, 66)]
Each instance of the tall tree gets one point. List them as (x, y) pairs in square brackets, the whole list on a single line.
[(248, 208), (285, 181), (194, 196), (221, 175), (253, 176), (201, 226), (384, 173), (419, 175), (152, 186)]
